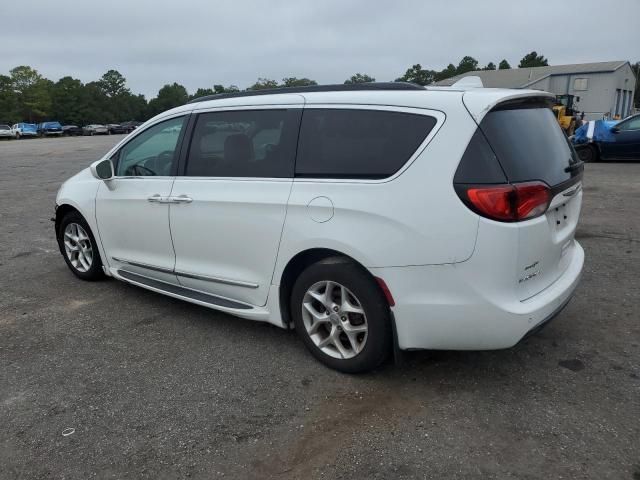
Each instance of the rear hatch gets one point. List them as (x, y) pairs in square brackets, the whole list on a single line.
[(523, 149)]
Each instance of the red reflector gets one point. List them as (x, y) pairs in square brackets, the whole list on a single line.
[(510, 203), (386, 291)]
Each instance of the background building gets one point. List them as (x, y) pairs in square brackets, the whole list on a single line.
[(603, 87)]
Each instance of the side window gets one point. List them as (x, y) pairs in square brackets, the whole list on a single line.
[(151, 153), (244, 143), (346, 143), (633, 124)]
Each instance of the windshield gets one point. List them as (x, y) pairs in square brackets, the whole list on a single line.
[(4, 127), (51, 124)]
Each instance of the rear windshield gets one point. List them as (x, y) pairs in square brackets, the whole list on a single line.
[(530, 145)]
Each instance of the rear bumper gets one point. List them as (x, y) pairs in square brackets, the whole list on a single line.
[(443, 307)]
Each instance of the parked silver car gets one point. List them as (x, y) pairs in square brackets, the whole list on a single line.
[(94, 129)]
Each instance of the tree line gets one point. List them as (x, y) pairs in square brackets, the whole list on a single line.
[(25, 95)]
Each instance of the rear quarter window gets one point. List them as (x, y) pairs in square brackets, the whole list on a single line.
[(354, 143)]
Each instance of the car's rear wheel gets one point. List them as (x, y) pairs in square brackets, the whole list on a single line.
[(341, 315), (79, 248)]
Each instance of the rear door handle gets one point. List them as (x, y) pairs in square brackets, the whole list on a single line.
[(181, 199)]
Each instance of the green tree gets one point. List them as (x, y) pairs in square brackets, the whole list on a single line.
[(32, 93), (417, 74), (263, 84), (359, 78), (504, 65), (169, 96), (533, 60), (8, 101), (490, 66), (467, 64), (95, 106), (450, 71), (297, 82), (68, 98), (113, 84)]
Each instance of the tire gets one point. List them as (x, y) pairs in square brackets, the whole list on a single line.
[(370, 330), (82, 265), (588, 154), (17, 136)]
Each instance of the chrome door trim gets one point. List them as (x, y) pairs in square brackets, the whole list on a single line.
[(206, 278), (145, 265), (225, 281)]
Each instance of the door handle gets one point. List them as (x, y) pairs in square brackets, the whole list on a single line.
[(181, 199), (157, 198)]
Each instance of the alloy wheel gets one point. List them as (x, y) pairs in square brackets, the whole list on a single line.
[(334, 319), (77, 246)]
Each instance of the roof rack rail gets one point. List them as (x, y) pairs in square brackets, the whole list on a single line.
[(315, 88)]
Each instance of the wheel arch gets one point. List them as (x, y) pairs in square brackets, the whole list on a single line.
[(296, 265)]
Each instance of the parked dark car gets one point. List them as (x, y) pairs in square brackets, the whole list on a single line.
[(609, 141), (50, 129), (130, 126), (71, 131), (116, 128)]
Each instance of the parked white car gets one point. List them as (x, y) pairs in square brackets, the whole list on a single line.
[(7, 132), (370, 217)]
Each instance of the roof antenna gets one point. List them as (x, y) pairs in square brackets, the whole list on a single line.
[(470, 81)]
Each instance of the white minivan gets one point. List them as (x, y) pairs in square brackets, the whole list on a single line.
[(368, 217)]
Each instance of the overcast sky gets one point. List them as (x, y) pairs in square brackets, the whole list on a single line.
[(199, 43)]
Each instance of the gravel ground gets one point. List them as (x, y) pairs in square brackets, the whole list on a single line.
[(158, 388)]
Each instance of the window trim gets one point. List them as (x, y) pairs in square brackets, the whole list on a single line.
[(114, 154), (439, 116), (182, 167)]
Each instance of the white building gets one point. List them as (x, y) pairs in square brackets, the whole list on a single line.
[(603, 87)]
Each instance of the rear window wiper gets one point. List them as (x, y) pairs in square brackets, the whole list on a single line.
[(574, 166)]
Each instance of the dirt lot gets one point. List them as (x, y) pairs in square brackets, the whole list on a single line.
[(158, 388)]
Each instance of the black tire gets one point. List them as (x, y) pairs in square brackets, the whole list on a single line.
[(588, 154), (95, 271), (378, 344), (17, 136)]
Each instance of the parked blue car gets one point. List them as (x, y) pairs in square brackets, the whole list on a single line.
[(50, 128), (22, 130), (608, 140)]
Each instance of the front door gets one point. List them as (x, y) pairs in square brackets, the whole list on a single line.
[(132, 210), (626, 144), (236, 184)]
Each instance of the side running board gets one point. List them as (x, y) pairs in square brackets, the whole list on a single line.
[(182, 291)]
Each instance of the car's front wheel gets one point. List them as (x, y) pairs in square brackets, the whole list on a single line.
[(79, 248), (342, 316)]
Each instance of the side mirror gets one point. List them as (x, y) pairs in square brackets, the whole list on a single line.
[(615, 129), (102, 169)]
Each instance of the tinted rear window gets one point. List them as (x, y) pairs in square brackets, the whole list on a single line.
[(529, 144), (346, 143)]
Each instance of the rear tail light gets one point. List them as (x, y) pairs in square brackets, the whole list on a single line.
[(509, 202)]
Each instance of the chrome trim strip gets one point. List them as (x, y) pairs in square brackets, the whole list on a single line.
[(225, 281), (144, 265)]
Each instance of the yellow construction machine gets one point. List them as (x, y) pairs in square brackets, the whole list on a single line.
[(566, 113)]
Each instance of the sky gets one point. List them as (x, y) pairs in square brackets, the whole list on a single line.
[(199, 43)]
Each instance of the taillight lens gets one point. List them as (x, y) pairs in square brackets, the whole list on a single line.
[(507, 203)]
